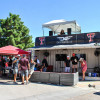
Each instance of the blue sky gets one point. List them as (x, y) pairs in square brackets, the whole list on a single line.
[(36, 12)]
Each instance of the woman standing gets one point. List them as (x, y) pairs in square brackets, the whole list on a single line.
[(31, 70), (83, 67)]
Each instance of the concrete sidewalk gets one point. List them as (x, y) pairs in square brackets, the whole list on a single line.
[(39, 91)]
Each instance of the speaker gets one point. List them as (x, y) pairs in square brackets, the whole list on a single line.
[(50, 33), (69, 31), (60, 57)]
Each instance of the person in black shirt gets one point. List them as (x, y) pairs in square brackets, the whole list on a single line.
[(10, 62), (74, 60), (62, 32), (67, 64), (44, 65), (1, 69), (3, 61)]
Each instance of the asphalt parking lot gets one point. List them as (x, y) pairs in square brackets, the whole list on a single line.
[(40, 91)]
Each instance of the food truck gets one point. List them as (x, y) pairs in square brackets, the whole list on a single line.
[(56, 47)]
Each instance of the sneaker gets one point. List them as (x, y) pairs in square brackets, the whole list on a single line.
[(15, 82), (22, 83), (27, 83)]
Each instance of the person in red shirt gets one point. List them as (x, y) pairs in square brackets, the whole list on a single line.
[(24, 64), (83, 67)]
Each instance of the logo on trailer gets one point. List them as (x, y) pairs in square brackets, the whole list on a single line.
[(91, 36), (42, 39), (64, 38)]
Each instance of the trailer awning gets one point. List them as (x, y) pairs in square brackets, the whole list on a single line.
[(76, 46), (58, 25)]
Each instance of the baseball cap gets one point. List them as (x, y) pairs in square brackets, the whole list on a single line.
[(73, 54), (68, 56), (81, 59), (18, 55)]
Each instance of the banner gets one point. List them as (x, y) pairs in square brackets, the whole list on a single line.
[(82, 38)]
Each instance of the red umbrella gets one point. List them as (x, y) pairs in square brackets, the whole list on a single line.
[(11, 50)]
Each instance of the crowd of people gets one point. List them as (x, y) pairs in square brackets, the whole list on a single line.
[(26, 68), (22, 65), (74, 59)]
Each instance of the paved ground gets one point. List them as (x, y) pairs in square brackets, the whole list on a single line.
[(38, 91)]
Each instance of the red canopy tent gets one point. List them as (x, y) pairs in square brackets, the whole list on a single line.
[(11, 50)]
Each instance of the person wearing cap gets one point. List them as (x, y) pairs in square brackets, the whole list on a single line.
[(25, 67), (15, 67), (83, 67), (67, 64), (74, 60), (36, 60)]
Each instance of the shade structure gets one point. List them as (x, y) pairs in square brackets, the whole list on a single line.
[(58, 25), (11, 50)]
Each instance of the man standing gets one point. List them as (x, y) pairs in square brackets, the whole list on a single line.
[(74, 60), (24, 64), (15, 66), (67, 64), (44, 65)]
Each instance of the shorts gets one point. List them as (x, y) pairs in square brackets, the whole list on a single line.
[(74, 66), (44, 69), (15, 71), (35, 69), (67, 69), (31, 71), (24, 73)]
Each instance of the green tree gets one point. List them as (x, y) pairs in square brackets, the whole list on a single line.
[(14, 32)]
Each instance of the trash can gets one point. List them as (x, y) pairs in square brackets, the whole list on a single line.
[(89, 74), (94, 74)]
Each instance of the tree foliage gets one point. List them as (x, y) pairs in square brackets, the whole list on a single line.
[(14, 32)]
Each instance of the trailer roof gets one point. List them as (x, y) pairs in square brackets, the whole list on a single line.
[(75, 46)]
